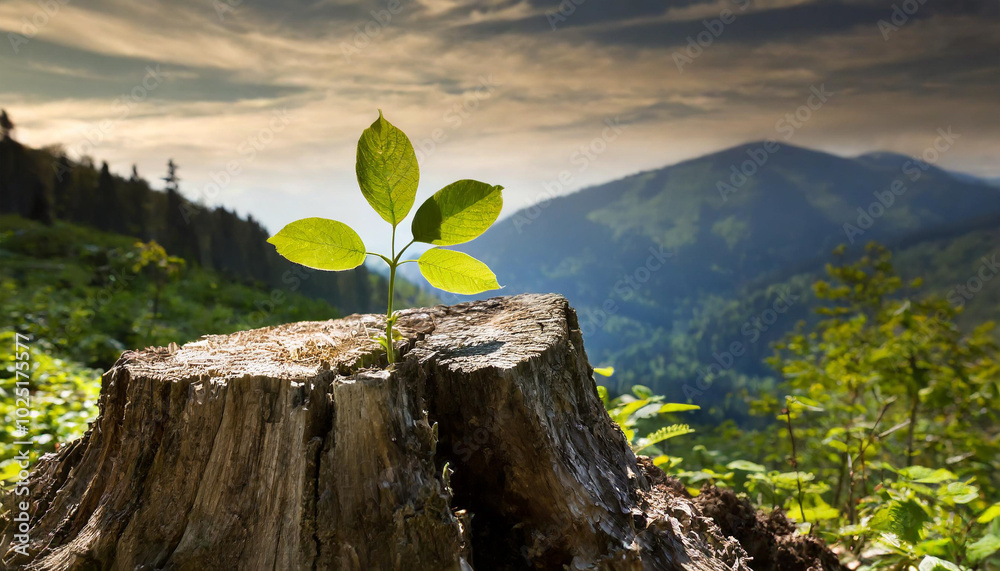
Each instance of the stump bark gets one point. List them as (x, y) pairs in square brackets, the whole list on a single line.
[(292, 447)]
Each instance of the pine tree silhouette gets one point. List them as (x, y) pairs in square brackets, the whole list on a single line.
[(172, 179), (181, 234), (6, 125)]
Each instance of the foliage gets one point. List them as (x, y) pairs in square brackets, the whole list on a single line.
[(46, 184), (924, 513), (91, 295), (895, 379), (643, 408), (667, 274), (63, 400), (84, 296), (388, 174), (890, 427)]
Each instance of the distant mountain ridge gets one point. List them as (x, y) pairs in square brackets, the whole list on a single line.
[(643, 257)]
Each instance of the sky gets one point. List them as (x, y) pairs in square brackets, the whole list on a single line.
[(261, 102)]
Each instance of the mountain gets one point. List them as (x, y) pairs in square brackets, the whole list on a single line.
[(668, 268)]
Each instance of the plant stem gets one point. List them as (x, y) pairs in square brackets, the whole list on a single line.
[(393, 264), (795, 463), (909, 439), (917, 378), (390, 347)]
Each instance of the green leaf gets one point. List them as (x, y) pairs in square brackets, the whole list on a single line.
[(456, 272), (642, 391), (959, 493), (988, 545), (939, 546), (990, 514), (800, 403), (678, 407), (745, 465), (457, 213), (604, 371), (665, 433), (602, 392), (622, 414), (666, 463), (320, 244), (837, 445), (934, 564), (923, 475), (905, 519), (784, 480), (816, 509), (387, 170)]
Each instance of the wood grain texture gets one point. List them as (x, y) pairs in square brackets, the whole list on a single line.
[(290, 447)]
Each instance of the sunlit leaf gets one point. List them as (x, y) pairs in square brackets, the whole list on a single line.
[(816, 509), (905, 519), (622, 414), (665, 462), (923, 475), (387, 170), (457, 213), (456, 272), (642, 391), (837, 445), (986, 546), (990, 514), (665, 433), (320, 244), (677, 407), (959, 493), (745, 465), (934, 564), (602, 392)]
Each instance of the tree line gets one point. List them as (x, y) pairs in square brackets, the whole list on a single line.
[(46, 185)]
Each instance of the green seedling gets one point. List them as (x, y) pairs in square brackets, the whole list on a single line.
[(388, 174)]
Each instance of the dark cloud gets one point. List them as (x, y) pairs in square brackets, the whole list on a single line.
[(228, 74), (44, 70)]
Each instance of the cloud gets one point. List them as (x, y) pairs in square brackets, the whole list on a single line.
[(510, 99)]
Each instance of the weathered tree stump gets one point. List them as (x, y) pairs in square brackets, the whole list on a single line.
[(290, 447)]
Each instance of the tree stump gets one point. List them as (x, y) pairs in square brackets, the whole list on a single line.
[(291, 447)]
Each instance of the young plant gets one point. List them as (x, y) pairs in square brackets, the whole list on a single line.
[(388, 174), (629, 411)]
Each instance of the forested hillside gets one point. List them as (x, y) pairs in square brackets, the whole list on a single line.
[(92, 265), (679, 269), (45, 185)]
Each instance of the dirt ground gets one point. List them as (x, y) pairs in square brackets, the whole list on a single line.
[(769, 539)]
